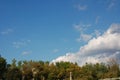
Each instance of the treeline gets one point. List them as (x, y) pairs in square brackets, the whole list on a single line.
[(40, 70)]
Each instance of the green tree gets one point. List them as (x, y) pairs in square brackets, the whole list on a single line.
[(14, 74), (53, 72), (3, 64), (27, 70), (113, 69), (13, 65), (19, 64)]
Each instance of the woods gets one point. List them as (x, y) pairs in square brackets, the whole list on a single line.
[(40, 70)]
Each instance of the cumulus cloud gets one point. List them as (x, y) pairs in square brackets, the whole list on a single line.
[(98, 49)]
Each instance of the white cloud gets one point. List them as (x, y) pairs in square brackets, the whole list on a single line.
[(98, 49), (68, 57), (26, 52), (84, 37), (81, 27), (115, 28), (18, 44), (97, 19), (81, 7), (97, 33), (7, 31), (21, 43), (111, 4), (28, 40), (65, 40), (55, 50)]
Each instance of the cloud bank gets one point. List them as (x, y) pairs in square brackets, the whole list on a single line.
[(98, 49)]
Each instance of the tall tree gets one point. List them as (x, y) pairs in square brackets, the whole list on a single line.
[(3, 64), (14, 74), (13, 65)]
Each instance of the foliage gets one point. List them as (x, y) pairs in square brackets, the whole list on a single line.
[(2, 67), (14, 74), (40, 70)]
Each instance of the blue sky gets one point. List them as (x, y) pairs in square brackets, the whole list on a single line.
[(47, 29)]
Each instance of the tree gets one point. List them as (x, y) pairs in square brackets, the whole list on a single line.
[(3, 64), (13, 65), (27, 70), (19, 64), (53, 72), (113, 69), (14, 74)]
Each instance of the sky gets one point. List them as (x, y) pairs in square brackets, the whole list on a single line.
[(60, 30)]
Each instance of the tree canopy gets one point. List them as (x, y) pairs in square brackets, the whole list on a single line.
[(40, 70)]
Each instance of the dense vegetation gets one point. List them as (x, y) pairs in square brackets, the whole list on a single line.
[(39, 70)]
